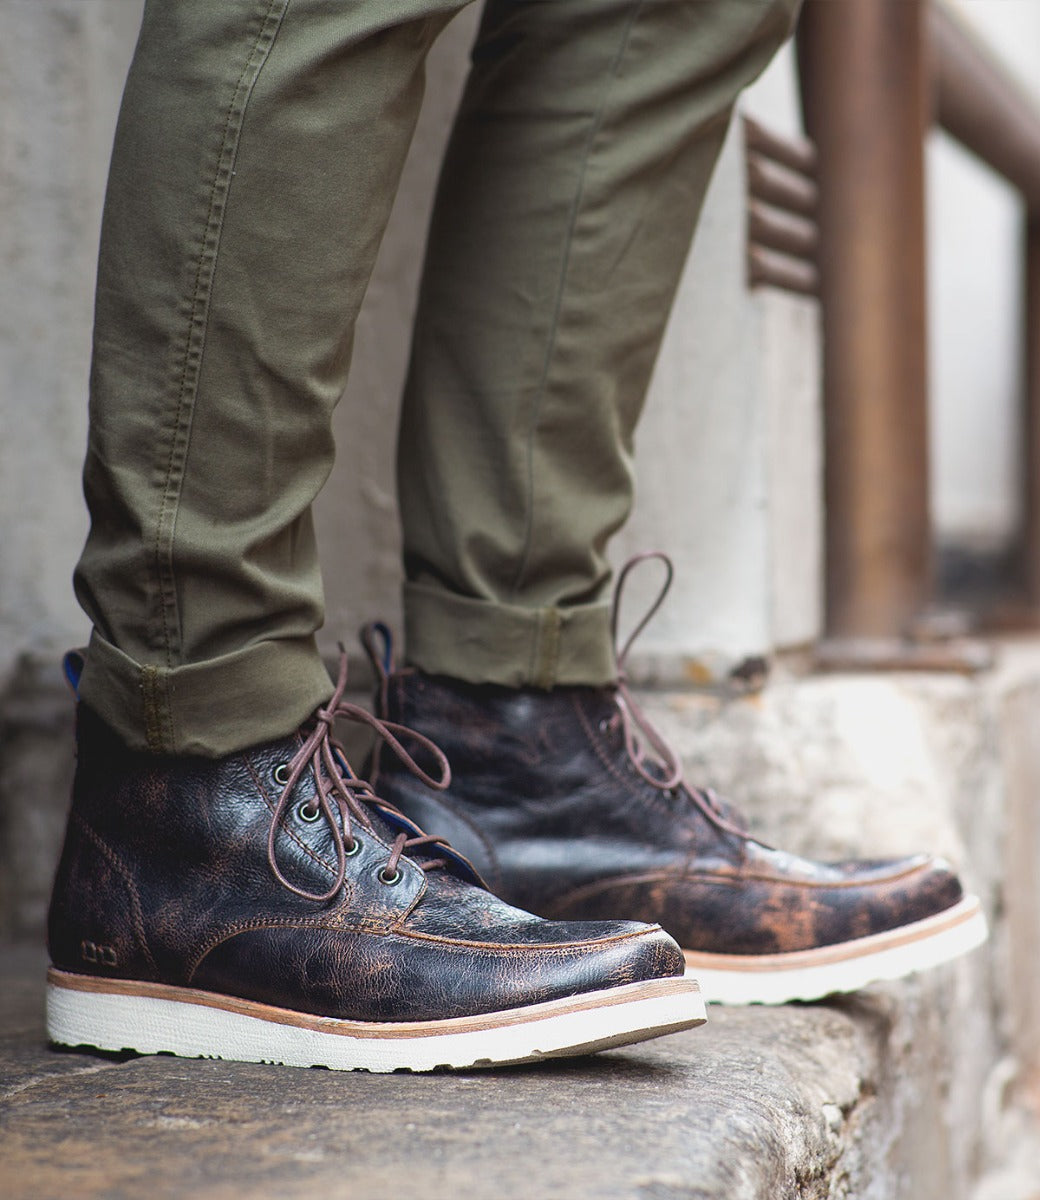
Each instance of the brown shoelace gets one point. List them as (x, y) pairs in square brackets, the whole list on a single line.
[(665, 772), (341, 795)]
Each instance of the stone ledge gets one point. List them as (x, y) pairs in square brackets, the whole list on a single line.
[(835, 1101), (761, 1104)]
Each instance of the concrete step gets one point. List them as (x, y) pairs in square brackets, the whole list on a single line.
[(781, 1102), (802, 1101)]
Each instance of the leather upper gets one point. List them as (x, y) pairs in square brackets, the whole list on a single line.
[(164, 877), (547, 804)]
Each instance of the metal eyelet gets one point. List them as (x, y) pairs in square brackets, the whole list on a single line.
[(354, 848), (281, 774), (309, 811), (390, 880)]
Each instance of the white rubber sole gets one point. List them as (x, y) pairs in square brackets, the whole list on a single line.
[(812, 974), (152, 1018)]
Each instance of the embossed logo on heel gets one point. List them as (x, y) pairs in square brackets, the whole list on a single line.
[(103, 956)]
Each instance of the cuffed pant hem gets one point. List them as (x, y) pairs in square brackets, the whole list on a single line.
[(482, 642), (210, 709)]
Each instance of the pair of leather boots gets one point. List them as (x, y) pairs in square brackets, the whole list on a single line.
[(276, 906)]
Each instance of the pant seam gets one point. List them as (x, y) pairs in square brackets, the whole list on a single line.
[(150, 708), (548, 647), (197, 321), (525, 553)]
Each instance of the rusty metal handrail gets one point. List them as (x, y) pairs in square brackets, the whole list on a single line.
[(874, 75), (980, 105)]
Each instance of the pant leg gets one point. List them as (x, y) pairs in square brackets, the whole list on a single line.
[(576, 171), (257, 154)]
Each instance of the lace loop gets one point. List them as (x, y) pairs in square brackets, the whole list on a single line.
[(667, 772), (634, 720), (341, 795)]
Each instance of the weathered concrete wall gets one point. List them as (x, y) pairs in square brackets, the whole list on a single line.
[(62, 64), (728, 459)]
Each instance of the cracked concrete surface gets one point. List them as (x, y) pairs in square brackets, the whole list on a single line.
[(759, 1104)]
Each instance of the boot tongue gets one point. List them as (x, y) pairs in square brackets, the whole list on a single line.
[(612, 715), (388, 822)]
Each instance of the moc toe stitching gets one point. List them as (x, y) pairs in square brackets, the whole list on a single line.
[(789, 917), (227, 932), (570, 946), (374, 977)]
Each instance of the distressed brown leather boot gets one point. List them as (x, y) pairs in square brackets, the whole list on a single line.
[(270, 907), (555, 801)]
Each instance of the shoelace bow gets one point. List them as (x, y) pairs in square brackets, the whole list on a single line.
[(341, 795), (666, 773)]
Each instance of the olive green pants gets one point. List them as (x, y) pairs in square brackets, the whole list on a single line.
[(257, 154)]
